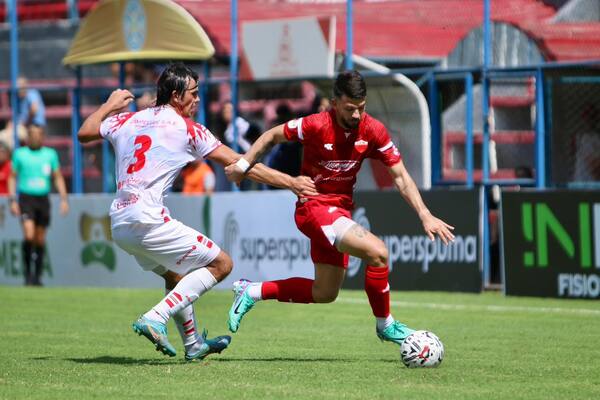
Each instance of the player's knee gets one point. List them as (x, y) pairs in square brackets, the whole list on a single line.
[(378, 255), (325, 296), (171, 279), (221, 266)]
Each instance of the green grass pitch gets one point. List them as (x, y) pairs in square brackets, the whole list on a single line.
[(63, 343)]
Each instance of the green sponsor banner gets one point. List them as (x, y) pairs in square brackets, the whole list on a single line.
[(551, 243)]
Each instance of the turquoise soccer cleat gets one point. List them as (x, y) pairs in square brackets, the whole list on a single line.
[(395, 333), (210, 346), (155, 332), (242, 303)]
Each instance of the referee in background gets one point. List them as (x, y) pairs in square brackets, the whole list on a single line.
[(32, 168)]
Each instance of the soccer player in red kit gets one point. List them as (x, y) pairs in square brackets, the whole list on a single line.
[(335, 144)]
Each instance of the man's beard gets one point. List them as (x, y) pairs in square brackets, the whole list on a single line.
[(351, 125)]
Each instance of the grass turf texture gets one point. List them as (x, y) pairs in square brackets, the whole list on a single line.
[(61, 343)]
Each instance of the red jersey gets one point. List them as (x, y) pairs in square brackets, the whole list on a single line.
[(5, 171), (333, 155)]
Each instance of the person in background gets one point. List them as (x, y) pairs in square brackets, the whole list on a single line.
[(31, 110), (285, 157), (243, 127), (320, 104), (4, 168), (247, 133), (31, 105), (7, 135), (198, 178), (33, 167)]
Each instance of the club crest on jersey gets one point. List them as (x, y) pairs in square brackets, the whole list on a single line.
[(361, 145)]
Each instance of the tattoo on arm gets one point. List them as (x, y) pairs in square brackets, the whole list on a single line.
[(263, 151), (360, 231)]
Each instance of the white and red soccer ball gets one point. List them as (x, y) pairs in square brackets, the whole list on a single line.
[(422, 349)]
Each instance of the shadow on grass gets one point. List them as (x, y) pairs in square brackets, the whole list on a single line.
[(292, 359), (125, 361), (150, 361)]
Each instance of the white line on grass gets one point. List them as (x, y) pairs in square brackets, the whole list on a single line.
[(495, 308)]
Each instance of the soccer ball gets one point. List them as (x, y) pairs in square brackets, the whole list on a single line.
[(422, 349)]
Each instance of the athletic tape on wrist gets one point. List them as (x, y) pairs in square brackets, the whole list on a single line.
[(243, 164)]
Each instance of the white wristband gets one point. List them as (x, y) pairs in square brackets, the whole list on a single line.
[(243, 164)]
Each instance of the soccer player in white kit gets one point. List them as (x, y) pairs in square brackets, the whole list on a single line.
[(151, 147)]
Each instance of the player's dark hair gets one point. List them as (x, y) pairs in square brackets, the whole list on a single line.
[(174, 77), (350, 83)]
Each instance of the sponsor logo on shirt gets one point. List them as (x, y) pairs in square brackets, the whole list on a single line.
[(126, 202), (186, 255), (328, 146), (339, 165), (130, 181), (159, 123), (293, 124), (46, 169)]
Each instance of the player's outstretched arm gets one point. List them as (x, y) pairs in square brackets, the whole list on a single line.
[(90, 130), (408, 189), (301, 185), (262, 146)]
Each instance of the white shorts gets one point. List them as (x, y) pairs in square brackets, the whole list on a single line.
[(171, 245)]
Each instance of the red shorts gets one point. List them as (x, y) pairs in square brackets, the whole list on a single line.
[(310, 218)]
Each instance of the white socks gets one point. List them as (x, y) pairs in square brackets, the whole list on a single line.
[(383, 323), (192, 286), (185, 320), (255, 291)]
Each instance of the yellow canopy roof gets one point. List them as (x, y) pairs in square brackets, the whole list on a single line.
[(124, 30)]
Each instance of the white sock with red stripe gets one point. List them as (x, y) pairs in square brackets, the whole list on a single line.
[(185, 320), (192, 286)]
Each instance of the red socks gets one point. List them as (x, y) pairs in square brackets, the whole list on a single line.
[(299, 290), (294, 290), (378, 290)]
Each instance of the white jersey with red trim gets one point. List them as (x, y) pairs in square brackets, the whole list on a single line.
[(151, 147)]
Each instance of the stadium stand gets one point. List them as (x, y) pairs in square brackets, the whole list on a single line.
[(430, 31)]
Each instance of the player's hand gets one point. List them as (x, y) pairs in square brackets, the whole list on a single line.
[(64, 207), (14, 208), (304, 186), (434, 226), (234, 173), (119, 99)]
